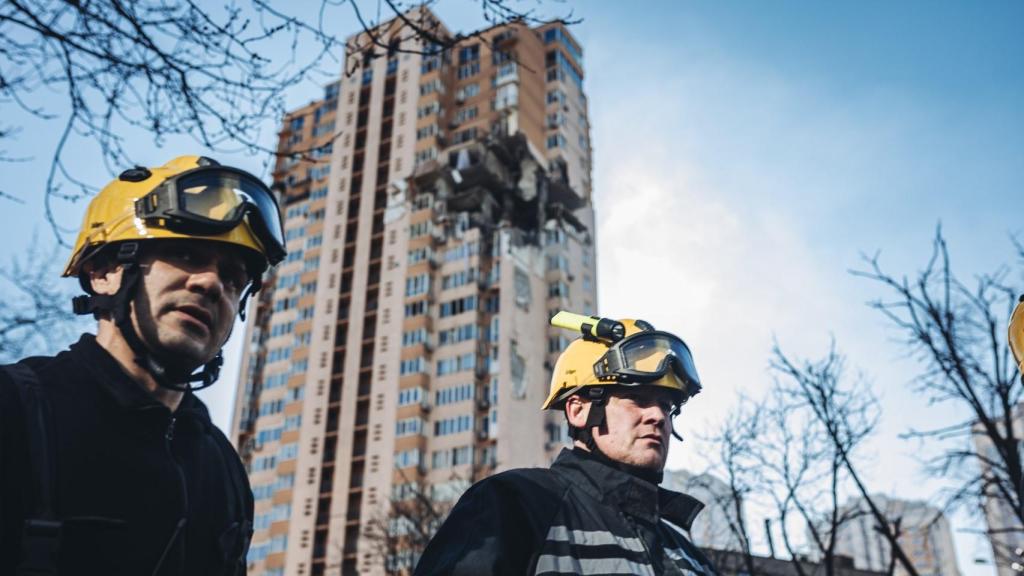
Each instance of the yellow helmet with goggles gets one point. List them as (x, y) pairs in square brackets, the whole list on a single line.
[(190, 197), (624, 353)]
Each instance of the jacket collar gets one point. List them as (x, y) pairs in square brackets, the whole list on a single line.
[(127, 394), (634, 496)]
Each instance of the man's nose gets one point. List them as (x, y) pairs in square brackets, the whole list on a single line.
[(207, 279), (655, 414)]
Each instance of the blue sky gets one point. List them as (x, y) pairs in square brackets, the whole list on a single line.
[(746, 155)]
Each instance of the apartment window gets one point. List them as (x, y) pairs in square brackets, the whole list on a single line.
[(506, 96), (556, 140), (408, 427), (410, 396), (279, 353), (413, 366), (453, 394), (419, 254), (469, 53), (427, 110), (425, 155), (430, 63), (416, 285), (281, 328), (407, 458), (461, 251), (467, 91), (460, 278), (426, 131), (456, 364), (288, 452), (458, 306), (420, 229), (263, 463), (558, 289), (466, 114), (457, 334), (431, 87), (323, 129), (413, 337), (455, 425), (467, 70), (451, 457), (416, 308)]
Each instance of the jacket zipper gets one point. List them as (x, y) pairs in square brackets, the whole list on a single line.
[(179, 531)]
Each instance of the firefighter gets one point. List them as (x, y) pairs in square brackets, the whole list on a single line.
[(108, 461), (598, 509)]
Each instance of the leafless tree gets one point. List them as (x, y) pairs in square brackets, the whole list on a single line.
[(400, 532), (217, 73), (35, 312), (735, 462), (842, 415), (956, 331), (793, 452)]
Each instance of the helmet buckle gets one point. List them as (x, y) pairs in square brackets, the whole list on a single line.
[(127, 252)]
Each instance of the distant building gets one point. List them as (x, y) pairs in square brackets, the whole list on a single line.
[(716, 526), (1005, 532), (437, 211), (924, 535)]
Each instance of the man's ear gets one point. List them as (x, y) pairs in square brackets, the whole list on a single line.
[(576, 411), (104, 278)]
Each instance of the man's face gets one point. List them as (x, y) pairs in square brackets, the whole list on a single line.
[(187, 299), (638, 426)]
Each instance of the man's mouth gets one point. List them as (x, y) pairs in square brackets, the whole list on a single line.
[(196, 313), (654, 437)]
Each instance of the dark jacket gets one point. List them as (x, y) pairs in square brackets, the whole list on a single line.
[(581, 516), (133, 483)]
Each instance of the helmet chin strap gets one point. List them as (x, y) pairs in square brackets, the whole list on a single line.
[(598, 397), (119, 307)]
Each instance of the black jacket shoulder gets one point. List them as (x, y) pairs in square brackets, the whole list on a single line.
[(509, 514)]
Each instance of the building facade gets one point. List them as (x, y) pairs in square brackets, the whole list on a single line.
[(437, 209), (924, 534), (1005, 532)]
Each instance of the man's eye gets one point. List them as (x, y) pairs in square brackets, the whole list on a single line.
[(237, 279)]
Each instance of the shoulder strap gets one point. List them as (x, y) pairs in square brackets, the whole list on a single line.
[(40, 538), (39, 428)]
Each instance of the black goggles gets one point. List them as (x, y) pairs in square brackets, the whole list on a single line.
[(213, 200), (648, 356)]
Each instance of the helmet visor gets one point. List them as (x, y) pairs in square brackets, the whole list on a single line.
[(213, 200), (648, 356)]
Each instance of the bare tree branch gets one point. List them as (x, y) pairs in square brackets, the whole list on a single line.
[(957, 333)]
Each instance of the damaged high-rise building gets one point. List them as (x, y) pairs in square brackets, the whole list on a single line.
[(438, 210)]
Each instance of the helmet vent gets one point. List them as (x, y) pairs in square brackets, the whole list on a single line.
[(137, 174)]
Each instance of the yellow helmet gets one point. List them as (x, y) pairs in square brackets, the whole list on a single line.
[(190, 197), (625, 352), (1016, 334)]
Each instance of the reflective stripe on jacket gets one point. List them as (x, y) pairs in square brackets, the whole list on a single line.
[(581, 516)]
